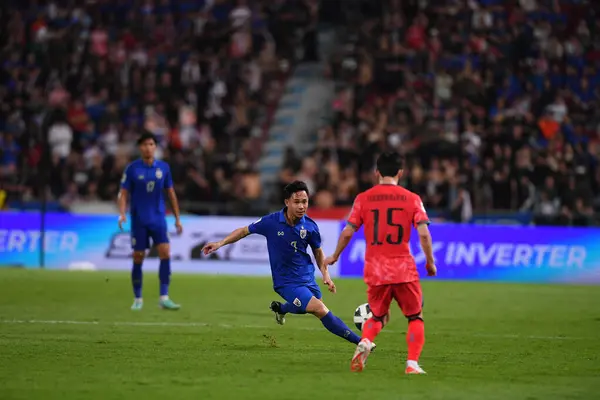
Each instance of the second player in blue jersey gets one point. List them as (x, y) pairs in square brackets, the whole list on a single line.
[(145, 181), (289, 234)]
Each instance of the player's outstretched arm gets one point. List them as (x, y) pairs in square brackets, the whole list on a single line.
[(122, 204), (233, 237), (427, 246), (343, 241)]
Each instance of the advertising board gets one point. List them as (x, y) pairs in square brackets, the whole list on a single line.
[(499, 253), (73, 241)]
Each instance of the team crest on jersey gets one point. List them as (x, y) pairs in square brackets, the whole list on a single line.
[(159, 174), (302, 233), (140, 177)]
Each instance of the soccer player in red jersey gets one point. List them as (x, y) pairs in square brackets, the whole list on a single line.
[(387, 212)]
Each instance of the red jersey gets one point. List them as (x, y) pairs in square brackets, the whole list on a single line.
[(387, 213)]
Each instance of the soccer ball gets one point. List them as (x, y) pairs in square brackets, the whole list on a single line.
[(361, 315)]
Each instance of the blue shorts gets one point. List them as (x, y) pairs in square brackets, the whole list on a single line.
[(299, 296), (142, 233)]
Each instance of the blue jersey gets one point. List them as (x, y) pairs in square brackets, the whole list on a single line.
[(145, 184), (291, 264)]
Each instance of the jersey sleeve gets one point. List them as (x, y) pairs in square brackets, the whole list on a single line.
[(168, 181), (259, 226), (126, 181), (314, 240), (355, 219), (420, 215)]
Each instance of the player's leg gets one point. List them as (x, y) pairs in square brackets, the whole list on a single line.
[(293, 304), (410, 299), (161, 239), (293, 296), (139, 243), (280, 309), (330, 321), (307, 299), (379, 299)]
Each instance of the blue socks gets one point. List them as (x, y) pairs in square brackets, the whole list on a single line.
[(290, 308), (332, 323), (164, 275), (136, 280), (338, 327)]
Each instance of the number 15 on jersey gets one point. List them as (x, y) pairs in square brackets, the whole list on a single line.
[(391, 214)]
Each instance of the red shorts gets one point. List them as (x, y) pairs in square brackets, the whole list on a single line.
[(408, 295)]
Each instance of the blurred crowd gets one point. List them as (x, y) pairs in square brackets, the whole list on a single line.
[(204, 76), (493, 103)]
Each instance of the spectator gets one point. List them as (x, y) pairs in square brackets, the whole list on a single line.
[(60, 137)]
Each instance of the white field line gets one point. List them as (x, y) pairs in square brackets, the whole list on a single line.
[(245, 326)]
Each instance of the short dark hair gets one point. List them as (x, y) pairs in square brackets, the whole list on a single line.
[(388, 164), (146, 136), (296, 186)]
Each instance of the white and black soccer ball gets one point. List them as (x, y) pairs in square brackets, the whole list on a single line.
[(361, 315)]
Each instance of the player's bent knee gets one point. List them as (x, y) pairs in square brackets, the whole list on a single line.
[(415, 317), (138, 257), (317, 308), (383, 319), (164, 251)]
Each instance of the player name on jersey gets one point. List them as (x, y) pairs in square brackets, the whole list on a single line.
[(386, 197)]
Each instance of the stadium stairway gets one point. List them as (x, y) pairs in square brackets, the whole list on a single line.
[(302, 110)]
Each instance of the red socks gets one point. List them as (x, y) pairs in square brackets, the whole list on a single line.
[(371, 329), (415, 338)]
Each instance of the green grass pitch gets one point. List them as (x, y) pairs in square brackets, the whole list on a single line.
[(71, 335)]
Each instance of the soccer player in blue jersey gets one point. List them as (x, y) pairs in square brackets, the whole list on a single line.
[(289, 233), (145, 180)]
